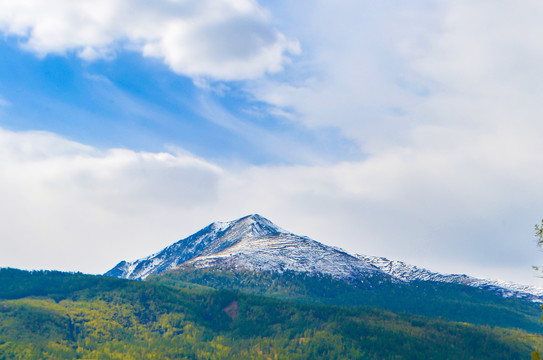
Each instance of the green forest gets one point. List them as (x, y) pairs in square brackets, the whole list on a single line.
[(54, 315), (437, 300)]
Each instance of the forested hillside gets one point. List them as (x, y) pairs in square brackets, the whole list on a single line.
[(434, 299), (52, 315)]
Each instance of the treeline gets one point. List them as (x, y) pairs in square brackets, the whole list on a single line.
[(52, 315)]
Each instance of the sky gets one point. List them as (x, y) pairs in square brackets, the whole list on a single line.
[(408, 130)]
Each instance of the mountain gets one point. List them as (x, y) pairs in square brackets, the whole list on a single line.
[(253, 243), (250, 243)]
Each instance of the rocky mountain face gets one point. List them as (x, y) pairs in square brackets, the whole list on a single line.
[(255, 243)]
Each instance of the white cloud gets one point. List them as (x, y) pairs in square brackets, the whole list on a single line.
[(381, 73), (220, 39), (72, 207), (356, 73)]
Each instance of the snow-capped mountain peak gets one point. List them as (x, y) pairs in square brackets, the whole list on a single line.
[(252, 225), (251, 243)]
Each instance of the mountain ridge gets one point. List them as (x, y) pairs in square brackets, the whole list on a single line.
[(410, 273), (256, 244)]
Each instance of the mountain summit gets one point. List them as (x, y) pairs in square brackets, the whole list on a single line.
[(250, 243)]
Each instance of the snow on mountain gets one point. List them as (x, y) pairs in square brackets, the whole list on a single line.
[(409, 273), (255, 243), (249, 243)]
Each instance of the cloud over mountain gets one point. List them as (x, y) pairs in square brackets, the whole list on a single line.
[(92, 205)]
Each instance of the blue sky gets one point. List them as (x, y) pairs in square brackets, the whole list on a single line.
[(405, 130), (138, 103)]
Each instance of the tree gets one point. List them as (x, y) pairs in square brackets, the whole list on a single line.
[(539, 233), (539, 236)]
